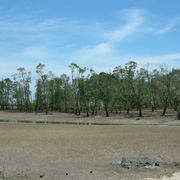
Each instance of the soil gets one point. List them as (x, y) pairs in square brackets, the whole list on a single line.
[(92, 152)]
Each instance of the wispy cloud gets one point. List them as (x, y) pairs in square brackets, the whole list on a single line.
[(58, 42), (105, 50), (134, 18), (166, 28), (160, 59), (90, 53), (18, 24), (34, 52)]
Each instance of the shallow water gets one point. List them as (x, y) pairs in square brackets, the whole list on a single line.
[(53, 122)]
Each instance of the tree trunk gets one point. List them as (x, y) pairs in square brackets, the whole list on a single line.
[(107, 113), (178, 112), (128, 110), (76, 111), (139, 108), (140, 112), (87, 113), (79, 112), (165, 107), (178, 115), (164, 111), (175, 105), (93, 111), (2, 107), (46, 111), (153, 108)]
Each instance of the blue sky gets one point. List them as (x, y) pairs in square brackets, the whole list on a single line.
[(98, 34)]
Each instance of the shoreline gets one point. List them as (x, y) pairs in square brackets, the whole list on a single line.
[(66, 118)]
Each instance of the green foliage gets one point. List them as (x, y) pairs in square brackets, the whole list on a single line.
[(125, 88)]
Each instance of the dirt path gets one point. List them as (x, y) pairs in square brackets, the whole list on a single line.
[(84, 152)]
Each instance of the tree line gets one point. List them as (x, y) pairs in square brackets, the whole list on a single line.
[(125, 88)]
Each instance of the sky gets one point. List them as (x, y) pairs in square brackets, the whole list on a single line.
[(98, 34)]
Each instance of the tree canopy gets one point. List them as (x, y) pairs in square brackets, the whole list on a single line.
[(85, 91)]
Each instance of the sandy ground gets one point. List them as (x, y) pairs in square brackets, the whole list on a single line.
[(79, 152), (175, 176)]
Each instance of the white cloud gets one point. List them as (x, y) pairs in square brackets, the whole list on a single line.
[(92, 51), (37, 53), (160, 59), (109, 61), (10, 67), (97, 55), (106, 63), (168, 27), (24, 24), (86, 43), (103, 52), (134, 18)]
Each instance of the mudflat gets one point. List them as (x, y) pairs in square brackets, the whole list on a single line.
[(92, 152)]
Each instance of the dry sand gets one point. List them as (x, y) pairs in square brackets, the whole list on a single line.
[(79, 152), (175, 176)]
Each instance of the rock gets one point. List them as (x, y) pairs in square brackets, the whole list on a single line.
[(156, 164), (2, 174), (125, 163), (136, 164), (41, 176), (175, 164), (142, 162)]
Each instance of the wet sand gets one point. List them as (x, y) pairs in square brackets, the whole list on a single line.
[(149, 118), (78, 152)]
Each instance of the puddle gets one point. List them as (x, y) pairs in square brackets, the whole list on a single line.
[(54, 122)]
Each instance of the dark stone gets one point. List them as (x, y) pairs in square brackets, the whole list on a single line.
[(41, 176), (2, 174), (136, 164), (157, 164), (125, 163), (175, 164)]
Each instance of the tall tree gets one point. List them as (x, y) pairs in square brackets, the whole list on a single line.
[(93, 89), (22, 92), (164, 88), (175, 89), (75, 89), (105, 80), (6, 93), (42, 87), (67, 96), (136, 81)]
